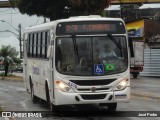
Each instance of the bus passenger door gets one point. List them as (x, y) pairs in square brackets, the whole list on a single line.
[(50, 55)]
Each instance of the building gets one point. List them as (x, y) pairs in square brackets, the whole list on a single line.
[(146, 30), (130, 12)]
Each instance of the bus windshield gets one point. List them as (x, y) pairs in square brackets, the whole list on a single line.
[(91, 55)]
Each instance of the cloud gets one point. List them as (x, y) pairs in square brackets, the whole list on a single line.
[(10, 40)]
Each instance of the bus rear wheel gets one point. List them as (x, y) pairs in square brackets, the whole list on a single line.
[(112, 106)]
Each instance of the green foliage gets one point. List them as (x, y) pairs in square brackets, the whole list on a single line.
[(53, 9), (3, 74), (8, 56), (57, 9), (8, 51), (88, 7)]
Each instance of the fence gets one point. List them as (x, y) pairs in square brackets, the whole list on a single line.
[(151, 62)]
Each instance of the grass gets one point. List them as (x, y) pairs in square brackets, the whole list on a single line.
[(10, 77)]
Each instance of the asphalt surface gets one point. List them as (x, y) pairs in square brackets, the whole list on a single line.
[(145, 97)]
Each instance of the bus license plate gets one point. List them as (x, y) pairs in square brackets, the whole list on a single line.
[(120, 96)]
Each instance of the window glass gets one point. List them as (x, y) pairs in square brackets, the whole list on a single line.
[(43, 44), (47, 40), (34, 45), (98, 55), (39, 45), (31, 41), (28, 45)]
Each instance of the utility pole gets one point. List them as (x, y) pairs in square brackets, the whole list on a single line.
[(20, 40)]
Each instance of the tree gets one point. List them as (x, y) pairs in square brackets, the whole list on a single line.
[(88, 7), (57, 9), (8, 54)]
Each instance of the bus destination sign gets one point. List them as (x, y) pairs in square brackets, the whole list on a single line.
[(99, 27), (90, 28)]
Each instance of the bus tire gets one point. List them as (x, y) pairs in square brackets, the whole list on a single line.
[(135, 75), (51, 106), (33, 97), (112, 106)]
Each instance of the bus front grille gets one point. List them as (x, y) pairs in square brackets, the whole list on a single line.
[(89, 89), (92, 82), (93, 97)]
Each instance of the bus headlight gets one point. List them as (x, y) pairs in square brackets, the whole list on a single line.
[(122, 85), (63, 87)]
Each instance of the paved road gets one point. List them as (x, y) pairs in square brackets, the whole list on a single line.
[(145, 96)]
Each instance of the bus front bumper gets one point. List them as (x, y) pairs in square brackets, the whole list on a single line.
[(63, 98)]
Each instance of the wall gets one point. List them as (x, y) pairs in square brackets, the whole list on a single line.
[(152, 28)]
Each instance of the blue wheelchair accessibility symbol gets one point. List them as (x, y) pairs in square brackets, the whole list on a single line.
[(98, 69)]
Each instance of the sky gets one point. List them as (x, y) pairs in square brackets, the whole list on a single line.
[(13, 17)]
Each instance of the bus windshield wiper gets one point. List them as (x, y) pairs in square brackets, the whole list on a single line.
[(115, 41), (75, 47)]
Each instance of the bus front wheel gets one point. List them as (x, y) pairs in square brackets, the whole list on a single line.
[(51, 106), (33, 97)]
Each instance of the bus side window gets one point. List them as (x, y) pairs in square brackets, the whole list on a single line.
[(32, 45), (35, 45), (28, 45), (43, 44), (41, 38), (46, 42), (39, 45)]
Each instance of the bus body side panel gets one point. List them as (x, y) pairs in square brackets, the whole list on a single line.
[(45, 78), (38, 69), (34, 70)]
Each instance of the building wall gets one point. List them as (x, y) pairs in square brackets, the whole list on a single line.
[(152, 28), (132, 14), (137, 23)]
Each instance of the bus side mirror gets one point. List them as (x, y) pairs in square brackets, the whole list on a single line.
[(131, 46), (50, 51)]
